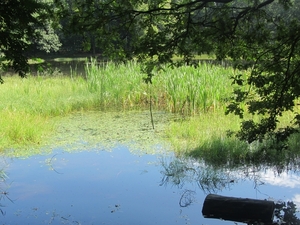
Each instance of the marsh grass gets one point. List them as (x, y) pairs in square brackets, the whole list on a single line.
[(192, 90), (20, 129), (205, 136), (28, 105), (205, 133), (186, 90), (45, 96), (118, 86), (30, 108)]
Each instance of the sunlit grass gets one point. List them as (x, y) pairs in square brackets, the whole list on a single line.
[(192, 90), (205, 136), (29, 105), (118, 86), (45, 96), (21, 129), (186, 90)]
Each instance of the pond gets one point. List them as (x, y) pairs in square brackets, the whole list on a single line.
[(118, 185)]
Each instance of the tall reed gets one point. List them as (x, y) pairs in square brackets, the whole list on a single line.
[(187, 90), (105, 86), (193, 90), (116, 85)]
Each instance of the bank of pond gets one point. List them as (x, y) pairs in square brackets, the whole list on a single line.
[(91, 131), (196, 97)]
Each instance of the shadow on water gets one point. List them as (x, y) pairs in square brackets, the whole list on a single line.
[(119, 187)]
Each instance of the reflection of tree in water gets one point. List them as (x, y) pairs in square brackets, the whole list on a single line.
[(210, 179), (3, 193), (187, 198), (214, 178), (183, 170), (285, 213)]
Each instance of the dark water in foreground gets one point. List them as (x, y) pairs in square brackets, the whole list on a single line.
[(99, 187)]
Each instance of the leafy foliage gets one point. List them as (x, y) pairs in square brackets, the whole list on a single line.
[(285, 212), (17, 18), (262, 36), (46, 38), (273, 85)]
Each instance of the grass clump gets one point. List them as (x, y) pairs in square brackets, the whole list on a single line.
[(29, 105), (192, 90), (118, 86), (21, 129), (206, 137), (186, 90)]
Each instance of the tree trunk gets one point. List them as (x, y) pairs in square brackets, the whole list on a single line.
[(238, 209)]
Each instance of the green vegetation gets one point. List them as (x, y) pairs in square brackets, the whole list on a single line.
[(261, 38), (186, 90), (262, 44), (32, 110), (30, 105), (206, 136)]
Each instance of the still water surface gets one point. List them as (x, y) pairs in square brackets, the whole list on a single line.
[(118, 187)]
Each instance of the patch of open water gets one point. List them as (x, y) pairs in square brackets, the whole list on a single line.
[(118, 187)]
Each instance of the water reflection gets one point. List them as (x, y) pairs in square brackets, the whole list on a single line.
[(180, 171), (210, 179), (95, 187), (285, 213), (99, 187)]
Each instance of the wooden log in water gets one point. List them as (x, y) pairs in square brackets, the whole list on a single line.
[(238, 209)]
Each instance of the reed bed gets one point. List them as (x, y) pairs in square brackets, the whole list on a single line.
[(192, 90), (28, 105), (118, 86), (186, 90)]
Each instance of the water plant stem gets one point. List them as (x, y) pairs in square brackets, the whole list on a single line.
[(150, 105)]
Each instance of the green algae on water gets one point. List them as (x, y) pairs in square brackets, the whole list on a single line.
[(107, 130)]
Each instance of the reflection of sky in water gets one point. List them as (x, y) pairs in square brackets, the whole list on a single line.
[(116, 188), (285, 179), (288, 180)]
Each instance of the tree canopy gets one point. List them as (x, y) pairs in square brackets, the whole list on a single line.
[(262, 36), (19, 20)]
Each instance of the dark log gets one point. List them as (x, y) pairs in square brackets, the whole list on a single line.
[(238, 209)]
